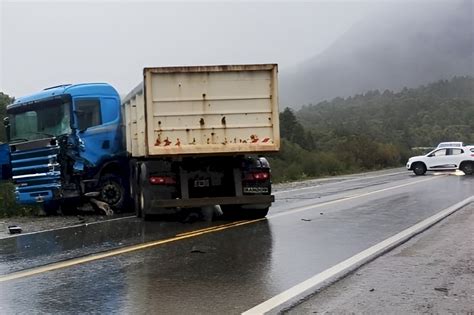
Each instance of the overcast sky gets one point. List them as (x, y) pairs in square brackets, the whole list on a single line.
[(50, 43)]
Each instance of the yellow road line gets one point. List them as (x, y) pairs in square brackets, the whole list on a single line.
[(209, 228), (115, 252)]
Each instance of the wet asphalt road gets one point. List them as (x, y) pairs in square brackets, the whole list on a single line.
[(309, 229)]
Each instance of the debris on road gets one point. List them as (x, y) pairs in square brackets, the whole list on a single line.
[(102, 206), (197, 251), (445, 290), (14, 229)]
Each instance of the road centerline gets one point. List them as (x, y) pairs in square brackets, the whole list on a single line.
[(116, 252)]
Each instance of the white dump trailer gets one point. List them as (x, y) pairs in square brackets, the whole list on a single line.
[(195, 136)]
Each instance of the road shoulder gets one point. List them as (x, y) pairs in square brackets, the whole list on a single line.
[(433, 273)]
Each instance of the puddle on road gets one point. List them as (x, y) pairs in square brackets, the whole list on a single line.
[(32, 250)]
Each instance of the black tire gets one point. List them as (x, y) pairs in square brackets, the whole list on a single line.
[(136, 202), (135, 190), (419, 169), (144, 202), (467, 168), (112, 191), (142, 194)]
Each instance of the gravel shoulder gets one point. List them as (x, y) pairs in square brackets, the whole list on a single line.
[(431, 273)]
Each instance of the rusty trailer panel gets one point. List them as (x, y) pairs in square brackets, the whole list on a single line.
[(204, 110)]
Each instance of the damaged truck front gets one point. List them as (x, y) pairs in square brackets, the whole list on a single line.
[(66, 144)]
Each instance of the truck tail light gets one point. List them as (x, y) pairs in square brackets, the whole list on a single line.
[(162, 180), (257, 176)]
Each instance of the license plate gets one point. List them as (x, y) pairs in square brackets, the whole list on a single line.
[(200, 183)]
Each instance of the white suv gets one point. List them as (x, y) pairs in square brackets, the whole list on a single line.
[(444, 158)]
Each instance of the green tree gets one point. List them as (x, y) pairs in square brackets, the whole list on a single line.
[(291, 129), (4, 101)]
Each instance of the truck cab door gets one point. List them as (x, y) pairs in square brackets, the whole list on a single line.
[(5, 166), (97, 120)]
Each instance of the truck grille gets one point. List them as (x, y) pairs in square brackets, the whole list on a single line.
[(36, 173)]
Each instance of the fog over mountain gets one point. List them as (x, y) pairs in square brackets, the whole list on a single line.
[(404, 44)]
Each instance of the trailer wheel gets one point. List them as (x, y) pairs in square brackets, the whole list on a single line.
[(112, 191), (144, 205), (136, 201)]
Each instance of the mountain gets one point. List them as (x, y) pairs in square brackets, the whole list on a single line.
[(405, 44)]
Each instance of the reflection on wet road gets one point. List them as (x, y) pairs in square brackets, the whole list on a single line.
[(225, 271)]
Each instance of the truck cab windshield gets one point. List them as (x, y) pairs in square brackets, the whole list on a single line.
[(42, 120)]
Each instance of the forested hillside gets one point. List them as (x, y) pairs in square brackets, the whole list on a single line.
[(373, 130), (405, 43)]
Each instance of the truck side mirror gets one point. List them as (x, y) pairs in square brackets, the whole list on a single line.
[(6, 123)]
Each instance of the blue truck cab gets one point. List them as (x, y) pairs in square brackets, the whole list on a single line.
[(66, 143)]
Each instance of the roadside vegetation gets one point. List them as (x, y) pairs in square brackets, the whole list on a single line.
[(345, 135), (373, 130)]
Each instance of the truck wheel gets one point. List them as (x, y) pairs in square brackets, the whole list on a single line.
[(419, 169), (144, 202), (467, 168), (136, 203), (112, 191), (135, 195)]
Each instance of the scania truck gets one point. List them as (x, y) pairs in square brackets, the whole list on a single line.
[(185, 137)]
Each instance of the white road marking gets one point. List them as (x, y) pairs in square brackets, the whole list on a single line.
[(297, 210), (353, 262), (67, 227), (338, 182)]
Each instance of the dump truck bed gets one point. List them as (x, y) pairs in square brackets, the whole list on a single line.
[(203, 110)]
